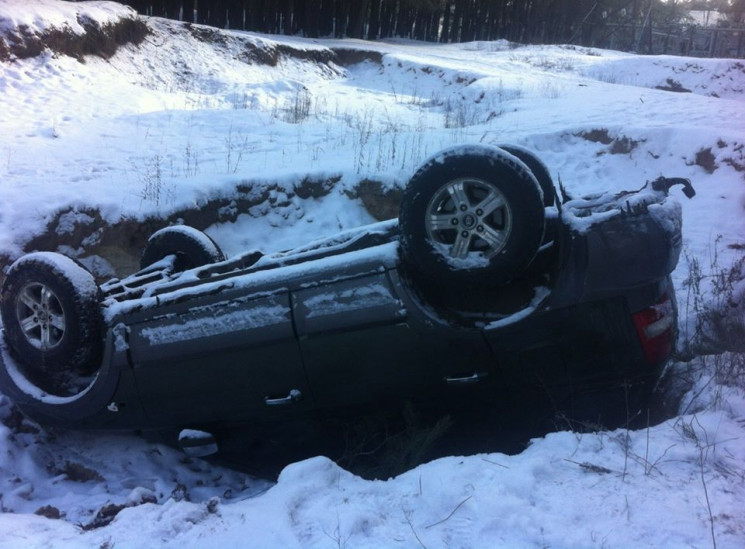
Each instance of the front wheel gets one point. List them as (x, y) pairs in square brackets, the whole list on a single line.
[(471, 217), (51, 318)]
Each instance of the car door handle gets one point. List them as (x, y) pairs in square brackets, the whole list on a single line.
[(294, 396), (466, 380)]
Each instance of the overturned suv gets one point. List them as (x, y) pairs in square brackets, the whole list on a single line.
[(489, 284)]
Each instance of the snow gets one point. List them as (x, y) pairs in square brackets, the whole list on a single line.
[(349, 300), (39, 16), (81, 280), (221, 322), (189, 234), (15, 372), (381, 256), (582, 213), (539, 295), (178, 121)]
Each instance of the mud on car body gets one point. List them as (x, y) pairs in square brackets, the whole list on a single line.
[(488, 283)]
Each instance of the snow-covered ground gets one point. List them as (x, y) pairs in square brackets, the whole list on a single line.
[(182, 119)]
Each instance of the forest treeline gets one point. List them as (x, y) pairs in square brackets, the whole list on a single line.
[(526, 21)]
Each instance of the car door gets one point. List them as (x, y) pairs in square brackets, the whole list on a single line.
[(227, 359), (361, 344)]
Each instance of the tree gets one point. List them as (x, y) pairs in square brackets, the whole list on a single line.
[(623, 24)]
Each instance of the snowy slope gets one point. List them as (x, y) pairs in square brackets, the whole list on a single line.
[(190, 115)]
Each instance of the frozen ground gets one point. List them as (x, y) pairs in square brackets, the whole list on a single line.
[(180, 120)]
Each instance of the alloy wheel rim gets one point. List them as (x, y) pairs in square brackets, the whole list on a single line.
[(40, 316), (470, 217)]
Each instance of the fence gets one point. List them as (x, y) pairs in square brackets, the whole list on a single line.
[(694, 41)]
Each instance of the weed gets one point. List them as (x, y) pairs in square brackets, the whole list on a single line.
[(336, 536), (609, 77), (693, 431), (235, 148), (718, 311), (549, 90), (362, 127), (296, 108), (451, 513), (456, 115), (152, 180), (383, 447), (191, 161), (713, 333), (551, 64), (151, 175)]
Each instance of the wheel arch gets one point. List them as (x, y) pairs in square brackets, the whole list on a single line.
[(72, 411)]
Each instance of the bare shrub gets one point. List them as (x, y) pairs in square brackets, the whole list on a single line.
[(718, 309), (296, 108)]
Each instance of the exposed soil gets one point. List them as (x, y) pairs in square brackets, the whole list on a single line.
[(266, 54), (99, 40), (705, 159), (104, 41), (673, 86), (616, 145)]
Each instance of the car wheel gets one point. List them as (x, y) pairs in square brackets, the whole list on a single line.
[(539, 169), (192, 248), (51, 318), (471, 216)]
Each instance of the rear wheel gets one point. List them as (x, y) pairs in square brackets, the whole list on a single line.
[(192, 248), (471, 217), (51, 317)]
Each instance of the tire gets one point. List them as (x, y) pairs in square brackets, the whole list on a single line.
[(52, 320), (192, 248), (471, 217), (539, 169)]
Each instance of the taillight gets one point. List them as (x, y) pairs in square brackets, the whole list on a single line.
[(655, 326)]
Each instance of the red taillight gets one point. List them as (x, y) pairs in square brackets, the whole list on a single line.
[(655, 326)]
